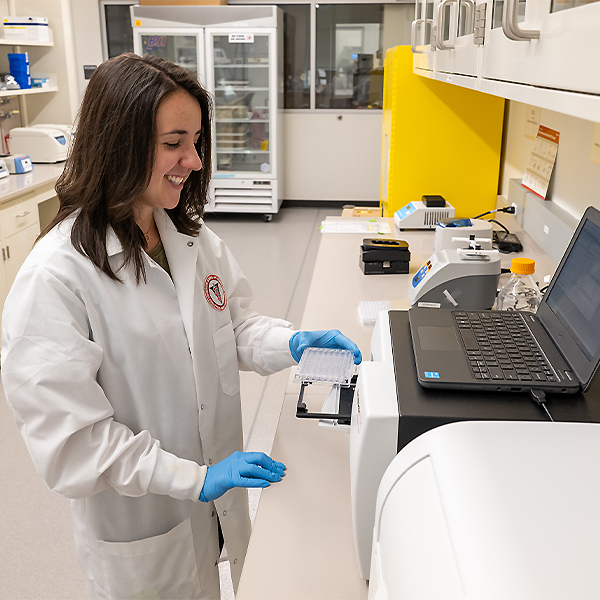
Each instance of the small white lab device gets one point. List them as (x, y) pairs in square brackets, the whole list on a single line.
[(3, 169), (18, 164), (464, 270), (41, 144), (418, 215), (66, 129), (490, 509)]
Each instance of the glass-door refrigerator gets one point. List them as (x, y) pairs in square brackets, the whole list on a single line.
[(237, 54), (242, 72)]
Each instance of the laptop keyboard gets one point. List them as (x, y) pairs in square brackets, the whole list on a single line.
[(500, 346)]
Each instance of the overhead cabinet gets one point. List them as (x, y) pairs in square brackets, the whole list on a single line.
[(546, 43), (236, 53), (540, 52)]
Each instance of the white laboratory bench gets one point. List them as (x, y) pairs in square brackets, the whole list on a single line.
[(41, 179), (302, 545)]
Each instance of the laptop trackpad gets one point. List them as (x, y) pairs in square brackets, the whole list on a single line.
[(437, 338)]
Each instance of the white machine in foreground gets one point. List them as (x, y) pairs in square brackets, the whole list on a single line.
[(490, 509), (464, 270), (373, 437)]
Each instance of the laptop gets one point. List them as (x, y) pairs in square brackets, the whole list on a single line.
[(557, 350)]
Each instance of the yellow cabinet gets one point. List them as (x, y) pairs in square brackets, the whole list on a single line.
[(437, 140)]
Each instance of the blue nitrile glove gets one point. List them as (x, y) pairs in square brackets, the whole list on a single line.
[(241, 469), (322, 339)]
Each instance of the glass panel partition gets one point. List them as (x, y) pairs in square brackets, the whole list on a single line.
[(350, 51), (296, 55)]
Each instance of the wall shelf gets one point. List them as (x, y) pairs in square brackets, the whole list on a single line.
[(24, 42), (27, 92)]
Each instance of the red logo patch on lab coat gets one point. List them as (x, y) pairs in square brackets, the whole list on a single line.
[(214, 292)]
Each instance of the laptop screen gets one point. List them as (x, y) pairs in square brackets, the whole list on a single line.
[(570, 310), (575, 297)]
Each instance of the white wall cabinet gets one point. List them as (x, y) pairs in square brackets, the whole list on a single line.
[(556, 50), (540, 52)]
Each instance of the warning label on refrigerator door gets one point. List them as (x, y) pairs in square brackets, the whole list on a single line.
[(241, 38)]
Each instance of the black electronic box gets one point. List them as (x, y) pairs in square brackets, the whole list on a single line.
[(384, 255)]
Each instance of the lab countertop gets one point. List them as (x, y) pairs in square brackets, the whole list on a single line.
[(13, 186), (302, 545)]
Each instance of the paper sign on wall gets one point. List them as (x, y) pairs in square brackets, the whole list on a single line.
[(241, 38), (541, 163), (532, 122)]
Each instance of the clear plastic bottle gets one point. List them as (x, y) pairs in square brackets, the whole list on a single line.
[(521, 291)]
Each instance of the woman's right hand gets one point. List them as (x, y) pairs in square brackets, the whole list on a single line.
[(241, 469)]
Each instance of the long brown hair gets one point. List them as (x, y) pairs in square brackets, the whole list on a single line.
[(110, 164)]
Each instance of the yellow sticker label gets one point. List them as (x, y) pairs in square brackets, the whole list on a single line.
[(138, 23), (265, 145)]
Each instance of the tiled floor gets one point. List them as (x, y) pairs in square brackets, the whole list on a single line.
[(37, 558)]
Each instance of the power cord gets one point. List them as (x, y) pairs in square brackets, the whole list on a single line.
[(505, 209), (539, 397), (498, 223), (505, 241)]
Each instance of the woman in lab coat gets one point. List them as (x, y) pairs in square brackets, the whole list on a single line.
[(123, 336)]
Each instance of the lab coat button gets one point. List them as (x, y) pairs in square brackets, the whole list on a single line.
[(202, 407), (210, 461), (212, 514), (235, 561), (225, 513), (190, 244)]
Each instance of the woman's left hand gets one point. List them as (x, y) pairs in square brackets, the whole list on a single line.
[(322, 339)]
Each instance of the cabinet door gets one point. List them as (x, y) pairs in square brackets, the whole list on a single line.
[(465, 54), (242, 75), (15, 250), (449, 35), (424, 32), (18, 215), (562, 56), (444, 34), (420, 33)]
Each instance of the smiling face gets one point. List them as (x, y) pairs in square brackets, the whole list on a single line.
[(178, 125)]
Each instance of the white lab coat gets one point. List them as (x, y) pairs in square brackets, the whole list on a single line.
[(125, 393)]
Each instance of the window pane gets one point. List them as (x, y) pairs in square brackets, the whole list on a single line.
[(119, 35), (296, 54), (351, 43)]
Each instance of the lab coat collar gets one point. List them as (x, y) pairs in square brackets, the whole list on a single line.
[(165, 226), (182, 255)]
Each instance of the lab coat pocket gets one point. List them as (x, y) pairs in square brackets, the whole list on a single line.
[(227, 362), (162, 567)]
